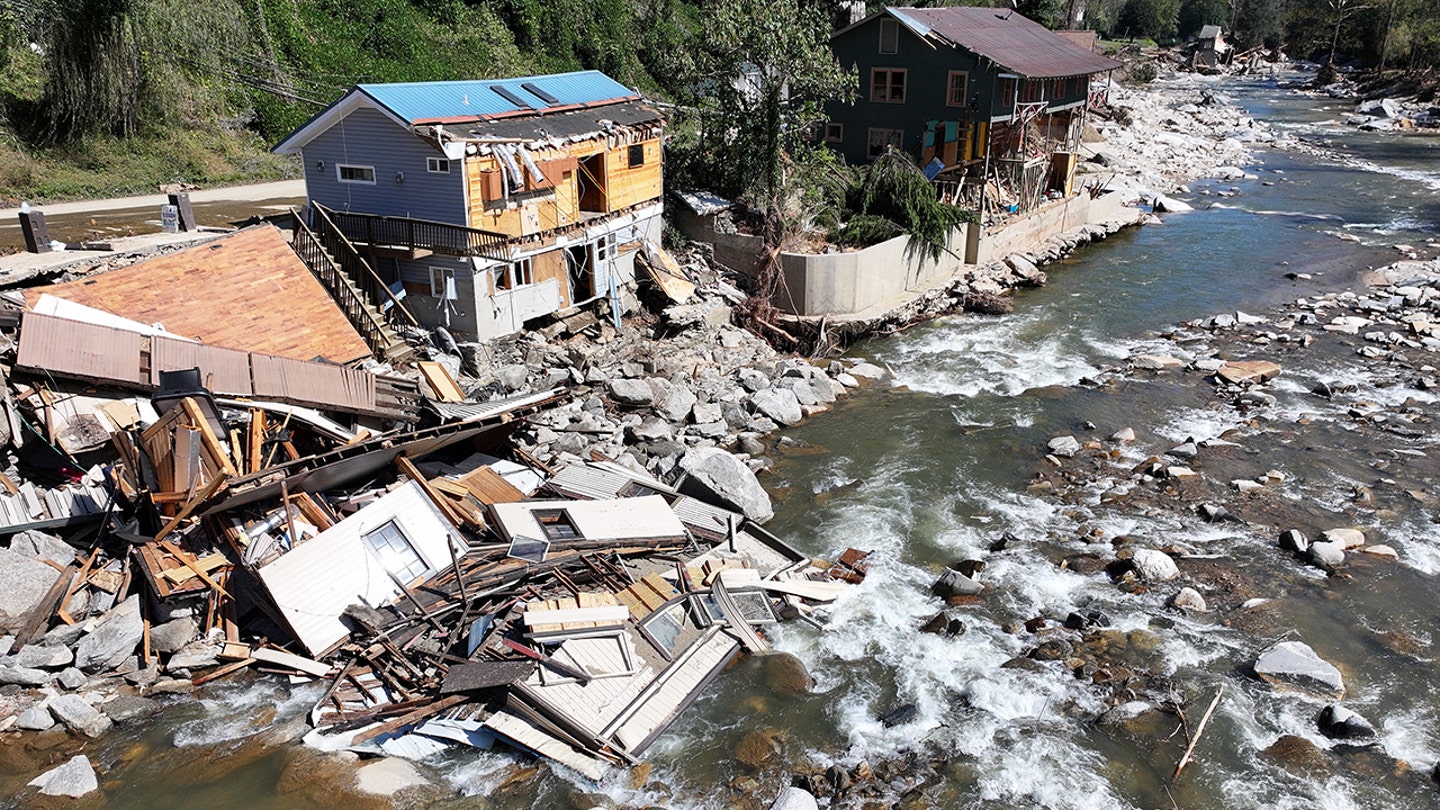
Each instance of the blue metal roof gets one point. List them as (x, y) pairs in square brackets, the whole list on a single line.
[(415, 101)]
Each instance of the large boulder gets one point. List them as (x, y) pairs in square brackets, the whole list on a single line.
[(24, 581), (1293, 663), (779, 404), (1248, 371), (79, 716), (43, 546), (113, 639), (1170, 205), (794, 798), (715, 474), (75, 778), (676, 405), (1339, 723), (1154, 566), (953, 583), (634, 393), (1379, 108)]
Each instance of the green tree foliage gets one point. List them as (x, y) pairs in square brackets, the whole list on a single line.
[(894, 197), (1196, 14), (1049, 13), (1156, 19), (756, 73)]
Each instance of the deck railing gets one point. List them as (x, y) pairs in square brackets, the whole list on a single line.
[(423, 234), (335, 240), (364, 318)]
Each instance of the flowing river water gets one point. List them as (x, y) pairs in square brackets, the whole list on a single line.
[(938, 467)]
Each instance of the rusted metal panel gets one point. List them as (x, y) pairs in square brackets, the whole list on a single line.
[(315, 383), (77, 349), (223, 371), (1007, 39)]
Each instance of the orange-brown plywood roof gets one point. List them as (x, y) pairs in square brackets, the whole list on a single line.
[(246, 291)]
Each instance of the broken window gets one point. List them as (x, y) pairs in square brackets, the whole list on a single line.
[(887, 85), (889, 36), (346, 173), (442, 283), (636, 155), (395, 552), (437, 165), (1007, 92), (834, 133), (882, 138), (958, 86), (556, 524)]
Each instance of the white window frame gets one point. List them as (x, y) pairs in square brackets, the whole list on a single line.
[(895, 138), (404, 553), (340, 173), (445, 288), (436, 165), (888, 26)]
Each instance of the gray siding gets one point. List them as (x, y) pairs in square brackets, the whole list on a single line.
[(366, 137), (459, 314), (927, 86)]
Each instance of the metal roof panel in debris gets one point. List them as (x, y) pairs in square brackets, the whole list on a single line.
[(76, 349), (225, 371), (569, 124), (476, 411), (420, 101), (1005, 38), (314, 383)]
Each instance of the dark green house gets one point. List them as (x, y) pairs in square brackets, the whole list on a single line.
[(985, 92)]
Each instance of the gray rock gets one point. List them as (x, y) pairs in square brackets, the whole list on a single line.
[(652, 429), (634, 393), (512, 377), (25, 676), (1294, 540), (126, 708), (1293, 663), (197, 654), (172, 635), (868, 371), (1339, 723), (1379, 108), (24, 581), (64, 635), (1154, 566), (79, 716), (72, 678), (1327, 555), (705, 412), (44, 656), (75, 778), (42, 546), (1064, 446), (724, 477), (35, 718), (677, 403), (113, 639), (752, 380), (1185, 450), (794, 798), (1170, 205), (1189, 599), (779, 404), (953, 583), (1345, 538)]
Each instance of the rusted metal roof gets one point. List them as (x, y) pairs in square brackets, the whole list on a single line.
[(1005, 38), (345, 389), (76, 349), (224, 371)]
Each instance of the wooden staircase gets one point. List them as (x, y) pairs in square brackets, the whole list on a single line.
[(353, 285)]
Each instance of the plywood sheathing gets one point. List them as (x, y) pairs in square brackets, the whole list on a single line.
[(246, 291)]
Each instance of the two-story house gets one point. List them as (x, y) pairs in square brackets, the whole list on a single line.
[(479, 205), (971, 93)]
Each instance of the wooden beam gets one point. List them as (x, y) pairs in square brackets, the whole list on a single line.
[(193, 564), (208, 437), (409, 719), (215, 485), (441, 502)]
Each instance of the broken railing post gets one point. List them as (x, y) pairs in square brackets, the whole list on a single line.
[(186, 221), (37, 235)]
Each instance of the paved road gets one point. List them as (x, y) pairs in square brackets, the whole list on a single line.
[(252, 193)]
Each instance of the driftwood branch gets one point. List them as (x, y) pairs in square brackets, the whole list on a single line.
[(1199, 730)]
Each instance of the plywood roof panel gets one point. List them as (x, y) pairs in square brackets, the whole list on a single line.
[(247, 291)]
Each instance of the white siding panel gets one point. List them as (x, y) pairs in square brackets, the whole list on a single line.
[(616, 519)]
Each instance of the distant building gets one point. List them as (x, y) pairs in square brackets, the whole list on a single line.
[(1211, 49), (971, 93), (479, 205)]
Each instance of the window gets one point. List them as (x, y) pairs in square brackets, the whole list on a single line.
[(958, 86), (437, 165), (442, 283), (882, 138), (556, 524), (1007, 92), (395, 552), (1032, 90), (834, 133), (514, 275), (355, 174), (889, 36), (887, 85), (637, 155)]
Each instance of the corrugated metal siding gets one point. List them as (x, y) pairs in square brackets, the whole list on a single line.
[(79, 349), (366, 137), (323, 385), (414, 101), (224, 371)]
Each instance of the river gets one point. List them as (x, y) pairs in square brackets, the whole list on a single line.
[(939, 467)]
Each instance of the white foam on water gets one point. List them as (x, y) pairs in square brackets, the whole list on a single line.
[(473, 772), (1412, 736), (1200, 424), (235, 712)]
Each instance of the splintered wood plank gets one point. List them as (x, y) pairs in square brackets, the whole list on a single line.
[(213, 447), (489, 487), (440, 382), (206, 564)]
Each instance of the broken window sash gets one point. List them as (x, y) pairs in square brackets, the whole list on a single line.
[(556, 524), (442, 283), (529, 549), (395, 552)]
